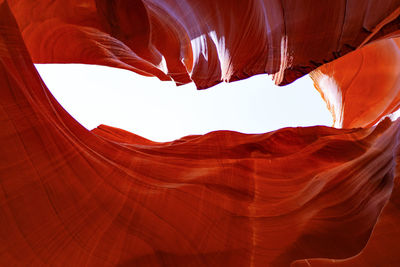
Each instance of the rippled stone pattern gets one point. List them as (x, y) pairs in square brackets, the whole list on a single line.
[(297, 196)]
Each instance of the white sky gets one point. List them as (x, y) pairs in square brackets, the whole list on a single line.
[(161, 111)]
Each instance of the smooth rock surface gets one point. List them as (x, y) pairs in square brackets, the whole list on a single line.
[(363, 86)]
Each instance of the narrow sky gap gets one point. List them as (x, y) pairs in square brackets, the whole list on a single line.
[(161, 111)]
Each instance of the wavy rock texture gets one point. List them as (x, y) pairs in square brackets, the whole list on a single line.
[(382, 248), (106, 197), (202, 41)]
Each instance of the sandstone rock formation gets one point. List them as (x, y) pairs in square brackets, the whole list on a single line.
[(363, 86), (303, 196), (203, 41)]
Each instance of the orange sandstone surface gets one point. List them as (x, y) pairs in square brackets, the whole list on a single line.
[(314, 196)]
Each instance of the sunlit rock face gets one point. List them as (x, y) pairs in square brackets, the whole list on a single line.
[(363, 86), (298, 196)]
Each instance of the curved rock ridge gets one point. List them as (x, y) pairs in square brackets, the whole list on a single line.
[(204, 41), (363, 86), (382, 248), (73, 197)]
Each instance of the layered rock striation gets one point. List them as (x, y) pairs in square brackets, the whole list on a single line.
[(297, 196)]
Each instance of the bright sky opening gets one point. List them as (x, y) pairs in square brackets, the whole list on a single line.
[(161, 111)]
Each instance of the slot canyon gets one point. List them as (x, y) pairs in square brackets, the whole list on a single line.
[(297, 196)]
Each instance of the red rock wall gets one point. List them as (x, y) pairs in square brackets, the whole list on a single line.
[(202, 41), (73, 197)]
